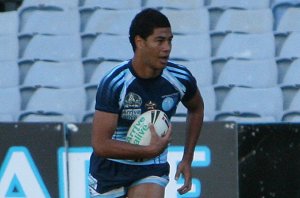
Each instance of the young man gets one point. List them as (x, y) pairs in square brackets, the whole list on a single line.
[(147, 81)]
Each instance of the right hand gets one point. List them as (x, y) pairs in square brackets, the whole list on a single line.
[(158, 143)]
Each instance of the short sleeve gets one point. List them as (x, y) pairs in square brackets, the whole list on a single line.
[(190, 84), (107, 97)]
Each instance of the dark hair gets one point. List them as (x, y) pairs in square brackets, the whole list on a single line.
[(144, 23)]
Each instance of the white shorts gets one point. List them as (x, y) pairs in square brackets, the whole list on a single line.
[(122, 191)]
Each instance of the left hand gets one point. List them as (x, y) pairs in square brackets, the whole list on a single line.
[(184, 169)]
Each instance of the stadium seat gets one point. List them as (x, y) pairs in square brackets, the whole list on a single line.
[(290, 47), (10, 105), (191, 47), (46, 117), (55, 48), (89, 114), (9, 21), (193, 21), (65, 101), (57, 74), (175, 4), (181, 113), (53, 3), (9, 48), (209, 98), (91, 91), (279, 7), (109, 21), (88, 117), (49, 20), (248, 46), (291, 77), (112, 4), (288, 92), (289, 21), (101, 70), (9, 74), (250, 73), (252, 102), (201, 69), (246, 119), (109, 47), (292, 109), (248, 21), (241, 4), (6, 118), (291, 117)]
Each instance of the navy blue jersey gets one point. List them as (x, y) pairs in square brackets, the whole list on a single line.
[(122, 92)]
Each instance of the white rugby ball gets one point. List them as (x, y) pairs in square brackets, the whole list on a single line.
[(139, 132)]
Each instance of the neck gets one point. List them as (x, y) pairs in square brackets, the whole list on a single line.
[(144, 70)]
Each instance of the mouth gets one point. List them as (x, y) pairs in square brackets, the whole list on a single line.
[(164, 59)]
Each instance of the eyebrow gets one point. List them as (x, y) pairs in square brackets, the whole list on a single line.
[(164, 37)]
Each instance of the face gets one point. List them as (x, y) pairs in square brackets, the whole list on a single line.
[(156, 48)]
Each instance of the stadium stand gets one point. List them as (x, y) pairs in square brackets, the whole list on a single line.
[(101, 70), (48, 20), (55, 3), (52, 47), (10, 21), (240, 4), (9, 74), (247, 21), (290, 47), (287, 23), (209, 97), (108, 21), (111, 4), (292, 107), (191, 47), (279, 7), (291, 77), (9, 48), (249, 73), (10, 105), (191, 21), (258, 103), (226, 44), (46, 117), (202, 69), (64, 101), (175, 4), (102, 46), (249, 46), (56, 74)]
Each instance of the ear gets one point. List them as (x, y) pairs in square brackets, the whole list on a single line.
[(139, 42)]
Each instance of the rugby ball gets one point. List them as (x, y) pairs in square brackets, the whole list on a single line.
[(139, 132)]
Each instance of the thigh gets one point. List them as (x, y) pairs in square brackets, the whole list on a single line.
[(146, 190), (149, 187), (114, 193)]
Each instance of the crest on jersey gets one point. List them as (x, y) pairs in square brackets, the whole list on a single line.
[(132, 106), (132, 100)]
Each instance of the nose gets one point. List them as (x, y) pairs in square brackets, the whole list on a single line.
[(167, 46)]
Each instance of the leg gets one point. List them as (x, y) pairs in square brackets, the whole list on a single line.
[(115, 193), (146, 191), (149, 187)]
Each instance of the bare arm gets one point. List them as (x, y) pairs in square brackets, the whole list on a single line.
[(104, 126), (193, 127)]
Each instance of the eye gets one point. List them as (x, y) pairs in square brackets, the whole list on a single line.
[(160, 41)]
